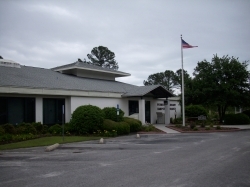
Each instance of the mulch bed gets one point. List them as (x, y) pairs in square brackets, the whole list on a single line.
[(187, 129), (152, 132)]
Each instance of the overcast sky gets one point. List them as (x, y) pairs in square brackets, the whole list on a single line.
[(143, 34)]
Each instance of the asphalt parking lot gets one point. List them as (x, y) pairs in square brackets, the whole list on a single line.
[(202, 159)]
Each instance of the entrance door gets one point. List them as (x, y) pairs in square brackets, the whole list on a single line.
[(52, 111), (147, 112)]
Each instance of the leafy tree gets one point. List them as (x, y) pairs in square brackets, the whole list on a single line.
[(178, 78), (103, 57), (166, 79), (223, 82)]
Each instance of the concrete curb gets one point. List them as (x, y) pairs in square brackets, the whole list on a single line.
[(205, 131), (52, 147)]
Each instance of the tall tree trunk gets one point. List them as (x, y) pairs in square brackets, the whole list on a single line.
[(221, 112)]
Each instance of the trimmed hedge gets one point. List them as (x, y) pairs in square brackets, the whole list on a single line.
[(2, 131), (9, 128), (195, 111), (87, 119), (236, 119), (55, 129), (122, 128), (39, 127), (111, 113), (135, 125), (247, 112)]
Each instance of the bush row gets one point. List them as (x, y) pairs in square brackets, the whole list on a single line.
[(236, 119), (86, 119), (90, 119), (30, 128)]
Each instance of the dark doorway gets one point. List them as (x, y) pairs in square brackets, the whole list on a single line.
[(133, 107), (147, 112), (52, 111)]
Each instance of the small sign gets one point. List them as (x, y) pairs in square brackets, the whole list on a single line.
[(202, 117), (117, 109)]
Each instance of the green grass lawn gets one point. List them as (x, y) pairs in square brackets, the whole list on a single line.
[(45, 141)]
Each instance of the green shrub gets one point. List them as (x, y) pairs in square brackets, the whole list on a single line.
[(211, 125), (195, 129), (148, 128), (6, 138), (45, 129), (9, 128), (178, 121), (247, 112), (192, 125), (106, 133), (25, 128), (20, 129), (55, 129), (236, 119), (30, 129), (2, 131), (111, 113), (195, 111), (68, 129), (38, 126), (218, 127), (207, 128), (178, 125), (121, 128), (87, 119), (135, 125), (171, 120), (202, 124)]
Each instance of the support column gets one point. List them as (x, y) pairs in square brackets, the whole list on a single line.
[(142, 110), (39, 109), (167, 112), (67, 109)]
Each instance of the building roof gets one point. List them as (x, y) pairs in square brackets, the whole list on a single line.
[(31, 77), (89, 67), (153, 90)]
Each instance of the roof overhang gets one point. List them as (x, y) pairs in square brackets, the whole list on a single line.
[(93, 69), (152, 91)]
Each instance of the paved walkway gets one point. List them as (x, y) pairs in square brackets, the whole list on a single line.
[(164, 128)]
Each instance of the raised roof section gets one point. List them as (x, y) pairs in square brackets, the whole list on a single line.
[(81, 69)]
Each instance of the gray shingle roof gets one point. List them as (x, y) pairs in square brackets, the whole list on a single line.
[(31, 77)]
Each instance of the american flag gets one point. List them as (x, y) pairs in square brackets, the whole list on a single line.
[(185, 45)]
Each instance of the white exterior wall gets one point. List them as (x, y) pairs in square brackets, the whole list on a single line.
[(72, 102), (100, 102), (174, 105), (167, 113)]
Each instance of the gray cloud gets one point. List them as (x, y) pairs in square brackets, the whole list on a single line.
[(144, 35)]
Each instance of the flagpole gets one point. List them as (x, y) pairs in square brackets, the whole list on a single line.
[(182, 76)]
